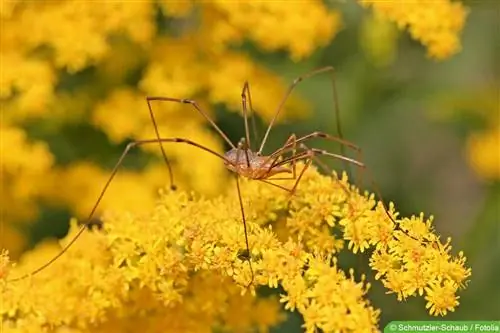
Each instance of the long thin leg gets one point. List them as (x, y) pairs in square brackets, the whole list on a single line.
[(245, 229), (197, 107), (344, 188), (149, 99), (347, 160), (337, 114), (291, 142), (308, 156), (106, 186), (157, 132), (288, 93), (268, 181), (244, 94), (243, 146), (308, 159), (245, 113), (328, 137), (303, 155), (321, 135), (311, 154)]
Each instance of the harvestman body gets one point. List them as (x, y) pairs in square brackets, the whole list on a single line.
[(241, 159)]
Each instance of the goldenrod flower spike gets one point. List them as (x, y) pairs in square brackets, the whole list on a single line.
[(180, 264)]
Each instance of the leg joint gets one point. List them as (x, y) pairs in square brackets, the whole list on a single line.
[(319, 134), (298, 80), (131, 145)]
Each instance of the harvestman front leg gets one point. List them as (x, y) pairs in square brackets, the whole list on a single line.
[(358, 164), (195, 105), (106, 186), (289, 92), (292, 86), (244, 92), (290, 141), (157, 132), (242, 145), (291, 144)]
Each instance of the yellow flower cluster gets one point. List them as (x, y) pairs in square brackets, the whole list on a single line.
[(413, 261), (23, 182), (482, 149), (436, 24), (78, 63), (304, 25), (182, 264)]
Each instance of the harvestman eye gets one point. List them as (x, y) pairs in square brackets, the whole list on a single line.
[(241, 160)]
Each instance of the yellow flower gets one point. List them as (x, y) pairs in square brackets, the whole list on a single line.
[(299, 38), (397, 282), (24, 165), (436, 24), (457, 270), (33, 80), (482, 150), (382, 262), (225, 82), (441, 297)]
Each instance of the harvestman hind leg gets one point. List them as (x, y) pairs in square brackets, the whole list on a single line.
[(289, 92), (327, 69), (327, 171), (291, 145), (105, 188), (293, 141), (361, 165), (309, 155)]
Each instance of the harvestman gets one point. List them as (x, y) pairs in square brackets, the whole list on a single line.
[(240, 159)]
